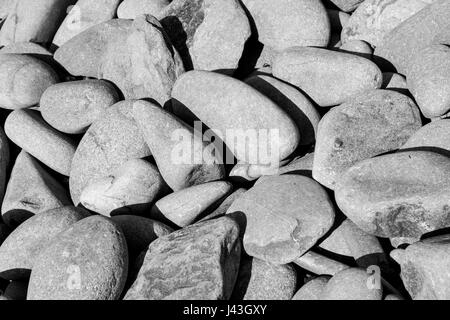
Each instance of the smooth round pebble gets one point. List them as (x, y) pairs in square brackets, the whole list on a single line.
[(312, 290)]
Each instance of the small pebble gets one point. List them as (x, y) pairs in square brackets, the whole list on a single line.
[(312, 290)]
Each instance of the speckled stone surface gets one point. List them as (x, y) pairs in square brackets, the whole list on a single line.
[(109, 143), (131, 188), (88, 261), (199, 262), (31, 190), (327, 77), (185, 206), (428, 80), (209, 34), (430, 25), (26, 242), (368, 125), (424, 268), (288, 23), (285, 216), (28, 130), (71, 107), (259, 280), (130, 9), (397, 195), (312, 290), (85, 14), (435, 136), (217, 101), (24, 79)]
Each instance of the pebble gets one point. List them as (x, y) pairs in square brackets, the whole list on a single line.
[(187, 205), (374, 19), (140, 232), (33, 20), (131, 188), (24, 80), (31, 190), (397, 195), (199, 262), (434, 136), (222, 209), (347, 5), (209, 34), (22, 247), (305, 23), (424, 268), (202, 93), (109, 143), (319, 264), (28, 48), (293, 102), (259, 280), (88, 261), (82, 16), (429, 80), (312, 290), (428, 26), (180, 154), (285, 216), (351, 284), (130, 9), (71, 107), (357, 47), (328, 77), (368, 125), (394, 81)]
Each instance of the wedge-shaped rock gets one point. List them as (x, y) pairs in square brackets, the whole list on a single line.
[(312, 290), (374, 19), (83, 15), (28, 130), (296, 105), (234, 111), (328, 77), (24, 80), (209, 34), (88, 261), (31, 190), (433, 136), (199, 262), (352, 284), (285, 216), (429, 80), (397, 195), (131, 188), (140, 232), (181, 155), (430, 25), (288, 23), (424, 268), (25, 243), (185, 206), (33, 20), (71, 107), (83, 54), (368, 125), (130, 9), (347, 5), (109, 143), (30, 48), (259, 280)]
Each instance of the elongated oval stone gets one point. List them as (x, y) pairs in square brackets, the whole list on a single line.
[(327, 77), (130, 9), (23, 80), (71, 107), (180, 153), (185, 206), (312, 290), (397, 195), (285, 216), (88, 261), (198, 262), (368, 125), (25, 243), (203, 93), (109, 142), (435, 134)]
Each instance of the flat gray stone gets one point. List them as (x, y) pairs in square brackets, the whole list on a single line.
[(199, 262), (88, 261), (365, 126)]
